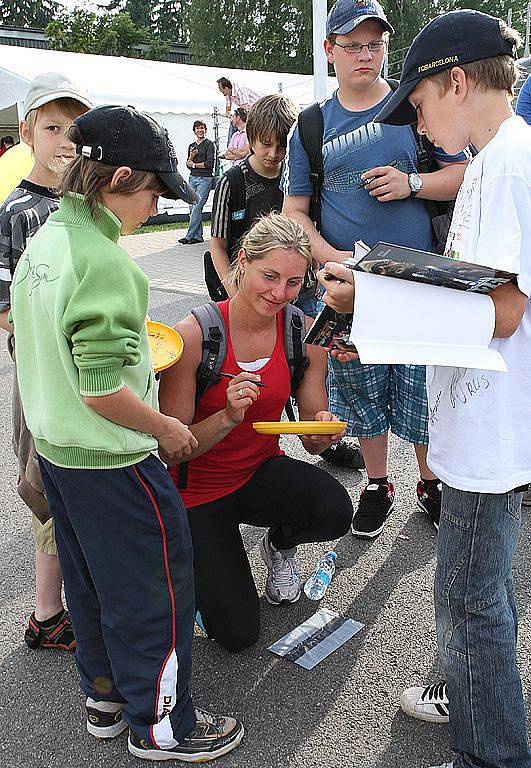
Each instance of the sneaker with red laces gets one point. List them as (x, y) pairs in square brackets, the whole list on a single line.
[(55, 633), (376, 503), (429, 500)]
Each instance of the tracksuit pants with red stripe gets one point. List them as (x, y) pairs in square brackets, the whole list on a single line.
[(126, 555)]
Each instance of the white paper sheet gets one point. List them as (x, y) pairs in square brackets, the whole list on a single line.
[(398, 321)]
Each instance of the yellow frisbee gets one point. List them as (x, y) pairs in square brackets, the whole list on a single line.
[(165, 344), (299, 427)]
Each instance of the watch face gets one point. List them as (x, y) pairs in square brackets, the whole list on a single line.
[(415, 182)]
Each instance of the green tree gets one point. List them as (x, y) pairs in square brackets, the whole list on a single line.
[(27, 13), (109, 34), (252, 34)]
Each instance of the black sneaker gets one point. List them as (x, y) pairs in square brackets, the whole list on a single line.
[(376, 503), (344, 454), (104, 719), (55, 634), (184, 241), (212, 736), (429, 500)]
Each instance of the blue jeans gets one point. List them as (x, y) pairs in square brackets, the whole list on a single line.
[(477, 627), (201, 186)]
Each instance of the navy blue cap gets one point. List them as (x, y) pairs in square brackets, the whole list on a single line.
[(124, 136), (449, 40), (345, 15)]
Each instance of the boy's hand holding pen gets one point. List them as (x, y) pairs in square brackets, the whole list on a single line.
[(386, 183), (338, 281)]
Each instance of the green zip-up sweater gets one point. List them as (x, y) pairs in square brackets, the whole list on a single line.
[(79, 306)]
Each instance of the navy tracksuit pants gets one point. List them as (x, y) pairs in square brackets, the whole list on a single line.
[(126, 555)]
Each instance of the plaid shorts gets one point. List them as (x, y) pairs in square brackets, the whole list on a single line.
[(372, 398)]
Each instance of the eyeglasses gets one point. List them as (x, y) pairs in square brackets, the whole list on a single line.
[(374, 46)]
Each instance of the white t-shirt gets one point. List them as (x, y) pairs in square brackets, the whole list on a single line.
[(480, 421)]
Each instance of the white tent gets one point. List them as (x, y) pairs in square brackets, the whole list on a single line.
[(174, 94)]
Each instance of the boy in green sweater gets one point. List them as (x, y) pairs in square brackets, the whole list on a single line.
[(79, 305)]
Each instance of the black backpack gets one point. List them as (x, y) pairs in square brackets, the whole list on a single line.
[(311, 131), (214, 352)]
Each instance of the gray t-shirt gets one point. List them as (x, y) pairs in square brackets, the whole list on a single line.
[(21, 215)]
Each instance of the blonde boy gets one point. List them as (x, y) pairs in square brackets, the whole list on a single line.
[(52, 102), (457, 83)]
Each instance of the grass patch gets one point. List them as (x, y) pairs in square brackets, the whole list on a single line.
[(165, 227)]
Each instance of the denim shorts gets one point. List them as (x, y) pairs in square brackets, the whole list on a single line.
[(374, 398)]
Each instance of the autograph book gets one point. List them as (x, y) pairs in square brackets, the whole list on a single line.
[(330, 328)]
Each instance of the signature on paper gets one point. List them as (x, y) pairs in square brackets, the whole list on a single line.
[(463, 386), (35, 274)]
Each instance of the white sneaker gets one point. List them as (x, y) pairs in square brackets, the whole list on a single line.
[(283, 580), (446, 765), (429, 704)]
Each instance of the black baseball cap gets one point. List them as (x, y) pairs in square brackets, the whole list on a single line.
[(449, 40), (117, 135), (345, 15)]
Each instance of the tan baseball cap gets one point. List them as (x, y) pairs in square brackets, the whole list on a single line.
[(50, 86)]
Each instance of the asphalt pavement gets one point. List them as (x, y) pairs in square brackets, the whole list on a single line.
[(343, 713)]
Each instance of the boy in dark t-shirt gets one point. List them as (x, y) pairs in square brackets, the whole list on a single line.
[(268, 124)]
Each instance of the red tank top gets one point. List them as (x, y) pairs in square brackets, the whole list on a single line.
[(229, 464)]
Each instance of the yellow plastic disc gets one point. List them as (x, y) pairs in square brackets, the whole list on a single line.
[(299, 427), (165, 344)]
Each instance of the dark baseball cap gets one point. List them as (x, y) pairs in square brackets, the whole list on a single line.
[(449, 40), (117, 136), (345, 15)]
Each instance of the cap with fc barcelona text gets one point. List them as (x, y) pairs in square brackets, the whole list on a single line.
[(449, 40), (117, 135)]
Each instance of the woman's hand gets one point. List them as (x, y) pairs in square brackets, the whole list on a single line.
[(175, 440), (242, 392), (339, 291), (319, 443)]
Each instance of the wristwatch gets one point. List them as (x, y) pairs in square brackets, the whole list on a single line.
[(415, 183)]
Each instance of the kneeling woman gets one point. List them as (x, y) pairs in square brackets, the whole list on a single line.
[(236, 475)]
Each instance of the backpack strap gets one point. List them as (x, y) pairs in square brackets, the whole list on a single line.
[(213, 354), (311, 132), (295, 349), (239, 217)]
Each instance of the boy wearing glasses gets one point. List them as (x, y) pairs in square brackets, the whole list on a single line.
[(372, 191)]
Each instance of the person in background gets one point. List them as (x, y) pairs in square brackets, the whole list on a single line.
[(238, 148), (236, 94), (6, 143), (201, 159)]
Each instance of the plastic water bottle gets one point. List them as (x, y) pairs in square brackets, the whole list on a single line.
[(321, 576)]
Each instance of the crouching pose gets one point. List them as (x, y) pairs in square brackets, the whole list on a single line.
[(236, 475)]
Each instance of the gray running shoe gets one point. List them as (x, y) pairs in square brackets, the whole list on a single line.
[(211, 737), (283, 580)]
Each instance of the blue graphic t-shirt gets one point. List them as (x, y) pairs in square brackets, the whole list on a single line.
[(353, 144)]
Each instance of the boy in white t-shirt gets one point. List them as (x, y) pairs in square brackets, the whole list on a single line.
[(457, 83)]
